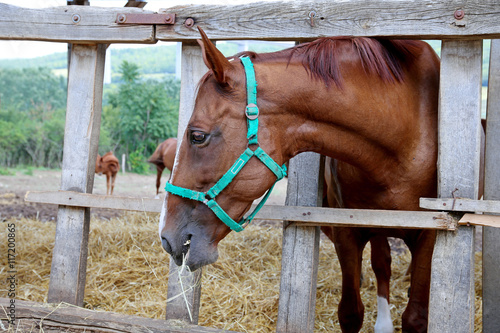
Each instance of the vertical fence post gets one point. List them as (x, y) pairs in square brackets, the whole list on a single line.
[(300, 253), (452, 293), (192, 68), (491, 246), (124, 161), (81, 138)]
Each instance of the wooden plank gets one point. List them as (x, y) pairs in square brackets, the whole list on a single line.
[(491, 246), (270, 20), (481, 219), (300, 215), (81, 137), (72, 24), (452, 293), (300, 251), (461, 204), (290, 20), (76, 199), (183, 282), (52, 318), (342, 217)]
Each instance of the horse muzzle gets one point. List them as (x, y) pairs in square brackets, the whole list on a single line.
[(189, 250), (178, 250)]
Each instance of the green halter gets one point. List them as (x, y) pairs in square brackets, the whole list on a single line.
[(208, 198)]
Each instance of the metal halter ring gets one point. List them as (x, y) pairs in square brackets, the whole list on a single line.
[(251, 114)]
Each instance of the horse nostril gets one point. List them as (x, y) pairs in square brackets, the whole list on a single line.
[(166, 245)]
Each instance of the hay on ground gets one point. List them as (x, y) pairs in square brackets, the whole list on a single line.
[(128, 273)]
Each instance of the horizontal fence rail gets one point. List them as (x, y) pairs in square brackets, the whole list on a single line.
[(65, 317), (271, 20), (72, 24), (306, 20), (310, 216), (461, 205)]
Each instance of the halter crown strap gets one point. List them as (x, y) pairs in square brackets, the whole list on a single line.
[(251, 111), (208, 198)]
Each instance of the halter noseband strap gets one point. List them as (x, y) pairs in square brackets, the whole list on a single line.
[(208, 198)]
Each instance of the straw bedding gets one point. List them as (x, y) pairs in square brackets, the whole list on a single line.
[(128, 273)]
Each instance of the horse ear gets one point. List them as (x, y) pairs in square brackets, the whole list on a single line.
[(214, 59)]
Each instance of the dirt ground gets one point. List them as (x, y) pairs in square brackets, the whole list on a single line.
[(13, 190)]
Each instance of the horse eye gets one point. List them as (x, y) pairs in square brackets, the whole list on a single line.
[(198, 138)]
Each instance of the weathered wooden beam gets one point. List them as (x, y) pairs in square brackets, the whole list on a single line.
[(300, 251), (491, 245), (76, 199), (52, 318), (271, 20), (481, 219), (301, 20), (362, 218), (300, 215), (72, 24), (461, 204), (452, 295), (81, 138)]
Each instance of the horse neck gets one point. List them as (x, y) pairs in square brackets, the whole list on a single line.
[(359, 123)]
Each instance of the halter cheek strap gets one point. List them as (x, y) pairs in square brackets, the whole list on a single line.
[(208, 198)]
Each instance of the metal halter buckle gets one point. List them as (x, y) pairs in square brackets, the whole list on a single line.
[(250, 115)]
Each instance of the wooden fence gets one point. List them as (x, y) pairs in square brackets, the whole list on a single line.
[(461, 25)]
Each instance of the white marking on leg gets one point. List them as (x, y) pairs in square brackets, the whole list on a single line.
[(384, 320)]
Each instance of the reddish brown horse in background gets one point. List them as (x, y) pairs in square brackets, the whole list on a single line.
[(370, 104), (108, 165), (163, 157)]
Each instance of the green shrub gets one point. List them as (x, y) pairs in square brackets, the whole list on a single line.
[(6, 172), (138, 163)]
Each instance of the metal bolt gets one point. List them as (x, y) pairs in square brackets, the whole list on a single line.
[(459, 14), (169, 19), (312, 15), (121, 18), (76, 18), (189, 22)]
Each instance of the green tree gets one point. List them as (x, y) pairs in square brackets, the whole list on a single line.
[(142, 113), (32, 107)]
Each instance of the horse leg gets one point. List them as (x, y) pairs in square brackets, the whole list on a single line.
[(159, 171), (349, 244), (107, 183), (113, 177), (381, 265), (421, 245)]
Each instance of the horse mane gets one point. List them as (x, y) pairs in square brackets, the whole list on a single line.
[(321, 57)]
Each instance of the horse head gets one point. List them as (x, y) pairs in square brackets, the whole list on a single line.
[(98, 164), (217, 173)]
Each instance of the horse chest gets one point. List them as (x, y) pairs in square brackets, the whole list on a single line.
[(350, 187)]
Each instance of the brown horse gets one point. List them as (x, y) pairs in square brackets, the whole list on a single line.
[(370, 104), (163, 157), (108, 165)]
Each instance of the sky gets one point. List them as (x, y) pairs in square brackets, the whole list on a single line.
[(28, 49)]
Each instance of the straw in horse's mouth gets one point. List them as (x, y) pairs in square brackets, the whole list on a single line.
[(187, 247)]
